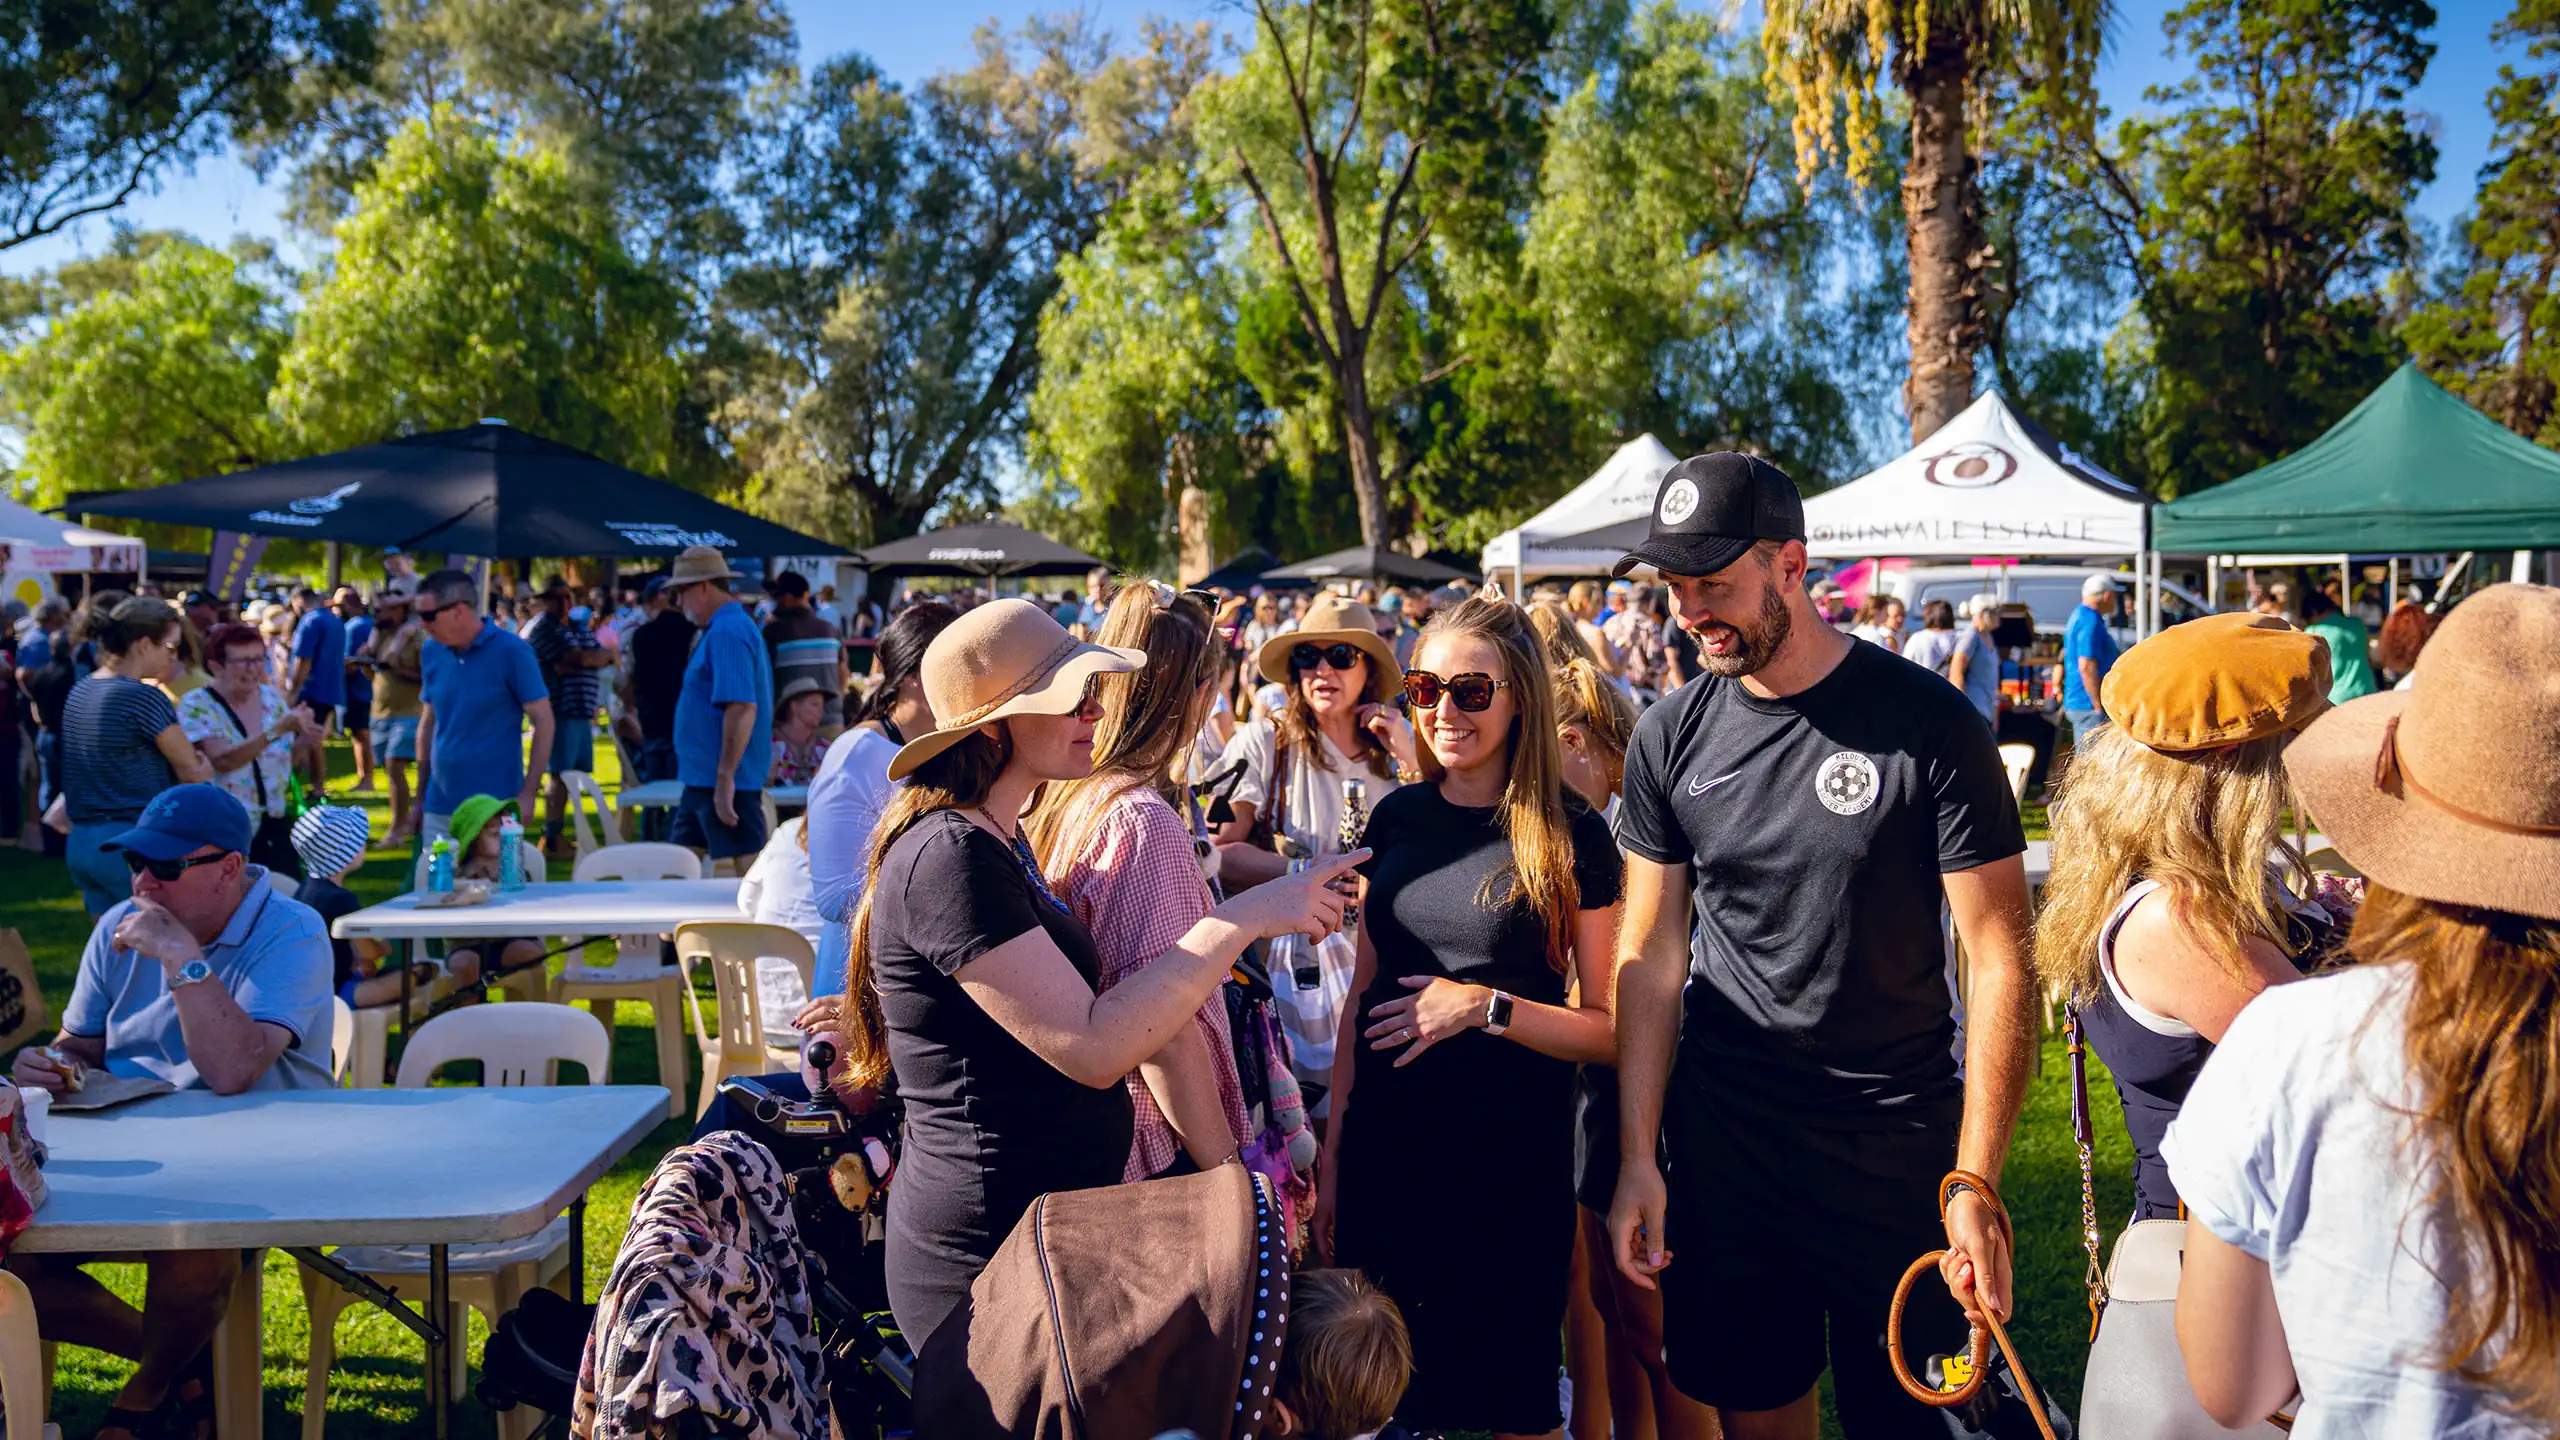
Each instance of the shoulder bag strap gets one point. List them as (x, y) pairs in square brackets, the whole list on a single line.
[(256, 774), (2082, 1138)]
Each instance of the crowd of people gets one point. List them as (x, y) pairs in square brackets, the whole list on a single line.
[(1578, 966)]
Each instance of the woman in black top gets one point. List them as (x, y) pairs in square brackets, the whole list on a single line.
[(1448, 1173), (976, 987), (121, 743)]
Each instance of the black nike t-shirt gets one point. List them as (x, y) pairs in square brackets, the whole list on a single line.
[(1815, 827)]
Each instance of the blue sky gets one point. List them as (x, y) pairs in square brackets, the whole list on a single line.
[(221, 198)]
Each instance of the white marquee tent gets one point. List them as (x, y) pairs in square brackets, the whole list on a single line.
[(1621, 489), (1989, 482), (33, 540)]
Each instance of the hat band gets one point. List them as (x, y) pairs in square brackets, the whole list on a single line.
[(1038, 673), (2391, 774)]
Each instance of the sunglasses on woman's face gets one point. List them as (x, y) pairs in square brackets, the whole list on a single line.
[(168, 871), (1472, 691), (1341, 656)]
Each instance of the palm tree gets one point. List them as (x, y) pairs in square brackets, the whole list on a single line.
[(1832, 54)]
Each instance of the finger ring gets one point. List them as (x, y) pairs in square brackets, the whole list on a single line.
[(1404, 1034)]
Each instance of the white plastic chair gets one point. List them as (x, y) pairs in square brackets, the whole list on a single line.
[(283, 884), (732, 948), (2018, 759), (342, 1037), (516, 1044), (586, 794), (24, 1383), (638, 972)]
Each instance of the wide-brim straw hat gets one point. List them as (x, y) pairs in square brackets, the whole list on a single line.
[(1004, 658), (2450, 790), (699, 562), (1333, 619)]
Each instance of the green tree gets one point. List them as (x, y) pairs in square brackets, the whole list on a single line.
[(1369, 134), (99, 98), (877, 338), (2262, 217), (1944, 56), (2495, 338), (467, 284), (148, 365)]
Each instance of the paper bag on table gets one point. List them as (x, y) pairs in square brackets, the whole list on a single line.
[(24, 1017)]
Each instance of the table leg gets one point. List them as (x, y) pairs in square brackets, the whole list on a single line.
[(239, 1398), (439, 1367), (578, 1250)]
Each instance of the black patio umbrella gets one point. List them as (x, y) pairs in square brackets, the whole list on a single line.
[(985, 550), (487, 489), (1245, 569), (1369, 562)]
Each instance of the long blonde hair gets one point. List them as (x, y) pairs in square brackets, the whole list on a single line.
[(1532, 812), (2202, 825), (1585, 697), (953, 780), (1557, 635), (2482, 1042), (1150, 716)]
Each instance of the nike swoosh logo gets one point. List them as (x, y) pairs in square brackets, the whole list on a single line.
[(1701, 787)]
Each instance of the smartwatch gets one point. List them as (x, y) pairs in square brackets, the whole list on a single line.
[(1497, 1014)]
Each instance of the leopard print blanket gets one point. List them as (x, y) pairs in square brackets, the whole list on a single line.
[(708, 1308)]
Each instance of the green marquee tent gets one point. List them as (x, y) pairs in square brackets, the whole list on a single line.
[(2411, 468)]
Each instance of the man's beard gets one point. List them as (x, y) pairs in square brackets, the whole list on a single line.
[(1762, 637)]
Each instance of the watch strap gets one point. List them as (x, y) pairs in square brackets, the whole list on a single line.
[(1497, 1013), (194, 972)]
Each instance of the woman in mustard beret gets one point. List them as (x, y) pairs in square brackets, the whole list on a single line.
[(2164, 915)]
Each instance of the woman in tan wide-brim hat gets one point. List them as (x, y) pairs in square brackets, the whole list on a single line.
[(970, 980), (2370, 1155)]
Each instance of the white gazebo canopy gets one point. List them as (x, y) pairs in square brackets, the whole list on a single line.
[(1621, 489), (33, 540), (1989, 482)]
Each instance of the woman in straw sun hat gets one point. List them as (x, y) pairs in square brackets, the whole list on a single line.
[(2372, 1157), (974, 984)]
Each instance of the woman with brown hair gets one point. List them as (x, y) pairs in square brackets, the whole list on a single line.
[(2372, 1157), (121, 740), (1117, 847), (977, 986), (2405, 632), (1491, 885), (2162, 918)]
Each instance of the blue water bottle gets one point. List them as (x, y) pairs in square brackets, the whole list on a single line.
[(440, 867), (510, 854)]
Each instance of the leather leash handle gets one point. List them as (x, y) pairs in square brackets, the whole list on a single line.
[(1978, 1344)]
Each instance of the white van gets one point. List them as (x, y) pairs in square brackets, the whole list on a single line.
[(2048, 591)]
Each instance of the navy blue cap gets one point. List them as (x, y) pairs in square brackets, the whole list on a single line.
[(184, 819)]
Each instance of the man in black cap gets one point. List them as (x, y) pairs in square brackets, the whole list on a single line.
[(1808, 802)]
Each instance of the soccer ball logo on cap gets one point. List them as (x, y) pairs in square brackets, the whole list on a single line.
[(1679, 502), (1847, 783)]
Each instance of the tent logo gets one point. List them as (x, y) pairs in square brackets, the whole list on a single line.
[(1970, 465), (324, 504), (655, 534), (1679, 502)]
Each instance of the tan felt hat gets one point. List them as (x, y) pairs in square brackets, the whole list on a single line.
[(700, 562), (2450, 790), (2218, 680), (1006, 657), (1335, 619)]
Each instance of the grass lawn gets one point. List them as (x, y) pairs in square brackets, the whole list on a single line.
[(376, 1389)]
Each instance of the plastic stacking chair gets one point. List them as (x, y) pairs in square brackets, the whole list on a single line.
[(342, 1038), (584, 795), (283, 884), (23, 1381), (2018, 759), (731, 948), (515, 1045), (638, 971)]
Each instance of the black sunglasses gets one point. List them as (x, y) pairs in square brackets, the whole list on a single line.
[(1341, 656), (1473, 691), (167, 871)]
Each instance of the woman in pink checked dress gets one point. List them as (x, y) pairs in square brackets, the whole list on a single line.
[(1117, 849)]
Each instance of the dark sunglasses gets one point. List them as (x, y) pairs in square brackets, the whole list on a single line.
[(1473, 691), (1340, 656), (167, 871)]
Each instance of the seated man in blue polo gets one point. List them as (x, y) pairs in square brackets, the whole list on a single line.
[(208, 977)]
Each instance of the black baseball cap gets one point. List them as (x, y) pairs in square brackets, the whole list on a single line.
[(1711, 509)]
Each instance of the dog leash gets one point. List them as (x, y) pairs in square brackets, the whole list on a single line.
[(1978, 1345)]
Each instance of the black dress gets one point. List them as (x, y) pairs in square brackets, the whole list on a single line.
[(1457, 1171), (990, 1126)]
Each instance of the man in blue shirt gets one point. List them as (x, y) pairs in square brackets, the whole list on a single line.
[(207, 978), (2088, 653), (319, 679), (724, 714), (481, 687), (359, 712)]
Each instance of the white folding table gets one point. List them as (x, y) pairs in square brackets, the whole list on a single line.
[(573, 908), (299, 1169)]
